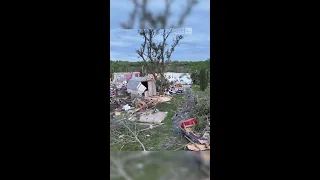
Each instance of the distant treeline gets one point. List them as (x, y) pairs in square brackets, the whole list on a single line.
[(174, 66)]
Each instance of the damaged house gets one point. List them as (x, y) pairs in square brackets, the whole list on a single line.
[(144, 86), (183, 78), (124, 76)]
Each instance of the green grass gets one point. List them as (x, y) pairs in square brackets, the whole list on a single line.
[(196, 89), (159, 165), (204, 96), (159, 135)]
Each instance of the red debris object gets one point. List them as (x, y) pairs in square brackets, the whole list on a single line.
[(199, 143), (188, 123)]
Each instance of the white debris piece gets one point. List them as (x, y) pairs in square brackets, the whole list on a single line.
[(206, 135), (141, 88), (126, 107)]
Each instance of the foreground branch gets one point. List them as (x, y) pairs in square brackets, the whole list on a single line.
[(135, 136)]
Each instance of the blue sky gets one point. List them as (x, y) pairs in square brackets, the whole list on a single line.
[(195, 46)]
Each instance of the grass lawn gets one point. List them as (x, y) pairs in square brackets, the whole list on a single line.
[(203, 96), (196, 89), (158, 138)]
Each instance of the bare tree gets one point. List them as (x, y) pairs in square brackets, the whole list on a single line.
[(147, 19), (157, 56)]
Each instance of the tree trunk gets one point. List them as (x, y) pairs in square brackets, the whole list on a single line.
[(161, 86)]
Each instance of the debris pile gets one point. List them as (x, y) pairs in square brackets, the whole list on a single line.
[(133, 94), (185, 124), (184, 111), (183, 78), (118, 104), (136, 99), (144, 107), (176, 88), (118, 89)]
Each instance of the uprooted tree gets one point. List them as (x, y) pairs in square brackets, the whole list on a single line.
[(157, 55)]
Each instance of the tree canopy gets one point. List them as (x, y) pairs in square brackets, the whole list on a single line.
[(174, 66)]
